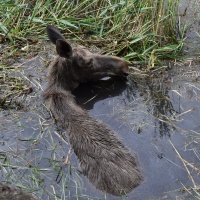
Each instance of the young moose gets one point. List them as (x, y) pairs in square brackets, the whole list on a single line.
[(103, 158)]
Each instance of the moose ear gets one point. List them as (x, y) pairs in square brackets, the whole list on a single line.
[(63, 48), (54, 34)]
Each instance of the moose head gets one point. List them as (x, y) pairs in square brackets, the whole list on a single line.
[(78, 65)]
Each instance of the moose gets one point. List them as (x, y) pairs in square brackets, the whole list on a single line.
[(103, 159)]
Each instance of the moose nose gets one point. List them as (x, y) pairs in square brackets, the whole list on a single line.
[(125, 70)]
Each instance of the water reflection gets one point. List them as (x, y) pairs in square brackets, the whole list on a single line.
[(90, 93), (153, 93), (160, 105)]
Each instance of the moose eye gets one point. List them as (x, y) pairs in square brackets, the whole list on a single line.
[(89, 63)]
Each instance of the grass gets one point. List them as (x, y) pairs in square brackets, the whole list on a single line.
[(12, 87), (142, 31)]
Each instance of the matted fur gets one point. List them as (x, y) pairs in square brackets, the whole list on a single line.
[(102, 157)]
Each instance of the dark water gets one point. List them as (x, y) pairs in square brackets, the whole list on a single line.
[(158, 118), (152, 118)]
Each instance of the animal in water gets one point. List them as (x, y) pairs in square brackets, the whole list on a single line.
[(103, 159)]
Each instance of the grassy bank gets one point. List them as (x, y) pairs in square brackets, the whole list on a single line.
[(142, 31)]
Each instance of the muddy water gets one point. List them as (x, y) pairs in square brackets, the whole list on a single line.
[(156, 117)]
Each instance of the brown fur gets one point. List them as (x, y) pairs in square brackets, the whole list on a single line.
[(103, 158)]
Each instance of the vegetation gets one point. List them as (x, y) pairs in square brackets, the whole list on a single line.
[(143, 31)]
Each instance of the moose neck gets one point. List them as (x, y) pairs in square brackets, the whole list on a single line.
[(61, 75)]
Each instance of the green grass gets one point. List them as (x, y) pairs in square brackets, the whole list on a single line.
[(142, 31)]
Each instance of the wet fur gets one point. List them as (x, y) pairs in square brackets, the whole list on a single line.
[(102, 157)]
